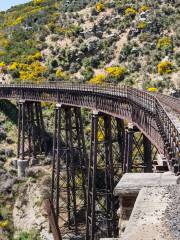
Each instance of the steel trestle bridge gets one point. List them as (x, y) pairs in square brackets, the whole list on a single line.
[(83, 180)]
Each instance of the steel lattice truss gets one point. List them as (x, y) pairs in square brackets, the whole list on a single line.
[(114, 149), (31, 132), (84, 192), (69, 170), (139, 152), (105, 163)]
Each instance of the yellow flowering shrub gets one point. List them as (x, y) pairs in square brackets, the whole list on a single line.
[(4, 224), (165, 67), (3, 67), (36, 56), (18, 20), (141, 25), (13, 66), (164, 43), (144, 8), (152, 89), (99, 7), (4, 42), (59, 73), (62, 75), (2, 64), (32, 72), (98, 79), (116, 72), (130, 11), (36, 2)]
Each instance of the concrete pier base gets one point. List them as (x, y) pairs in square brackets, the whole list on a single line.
[(22, 165), (144, 199)]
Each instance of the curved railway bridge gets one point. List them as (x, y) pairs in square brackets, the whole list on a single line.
[(128, 128)]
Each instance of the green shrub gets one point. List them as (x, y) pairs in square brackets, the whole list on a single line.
[(32, 235), (87, 73)]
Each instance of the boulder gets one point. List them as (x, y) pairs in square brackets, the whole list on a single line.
[(92, 43), (8, 152)]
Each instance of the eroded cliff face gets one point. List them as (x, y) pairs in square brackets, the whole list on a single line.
[(28, 211), (22, 204)]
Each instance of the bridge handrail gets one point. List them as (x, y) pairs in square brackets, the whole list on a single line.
[(140, 96), (170, 133)]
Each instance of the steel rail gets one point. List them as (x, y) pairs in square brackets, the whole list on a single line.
[(144, 109)]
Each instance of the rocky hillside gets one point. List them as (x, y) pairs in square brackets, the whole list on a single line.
[(128, 41)]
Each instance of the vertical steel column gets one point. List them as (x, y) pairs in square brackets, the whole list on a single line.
[(109, 177), (44, 142), (128, 150), (121, 140), (39, 133), (22, 162), (101, 220), (32, 122), (56, 162), (90, 218), (21, 130), (83, 158), (29, 130), (147, 154), (71, 166), (40, 127)]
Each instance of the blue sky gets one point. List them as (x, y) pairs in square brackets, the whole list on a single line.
[(5, 4)]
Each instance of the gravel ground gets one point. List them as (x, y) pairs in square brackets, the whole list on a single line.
[(156, 215), (172, 212)]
